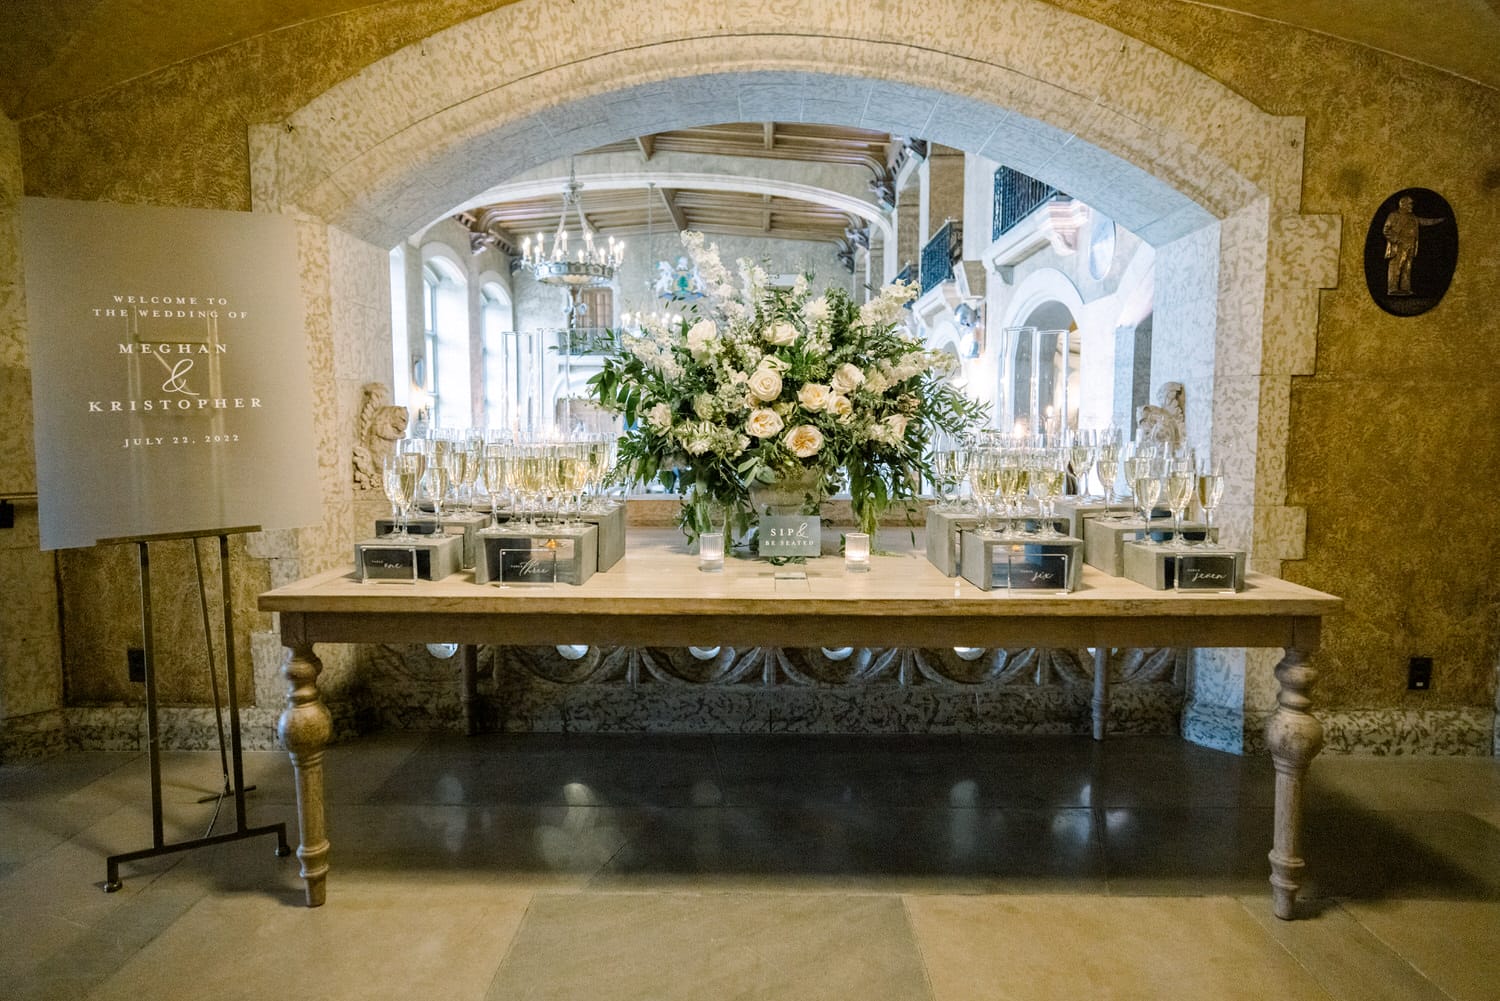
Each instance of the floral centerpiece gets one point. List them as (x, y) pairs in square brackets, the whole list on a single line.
[(761, 385)]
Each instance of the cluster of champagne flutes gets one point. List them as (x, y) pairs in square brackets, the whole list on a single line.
[(1155, 472), (548, 481), (1005, 471), (442, 468)]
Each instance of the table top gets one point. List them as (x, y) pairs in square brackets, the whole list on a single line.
[(657, 594)]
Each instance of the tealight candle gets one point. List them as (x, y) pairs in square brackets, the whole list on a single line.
[(857, 552), (711, 552)]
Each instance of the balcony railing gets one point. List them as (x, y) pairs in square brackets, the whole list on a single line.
[(938, 255), (1017, 195)]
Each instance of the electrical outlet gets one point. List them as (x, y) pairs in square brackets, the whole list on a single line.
[(135, 661), (1419, 674)]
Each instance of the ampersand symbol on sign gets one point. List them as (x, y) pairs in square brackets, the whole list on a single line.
[(177, 378)]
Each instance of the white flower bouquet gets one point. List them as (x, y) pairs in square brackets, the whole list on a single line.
[(762, 385)]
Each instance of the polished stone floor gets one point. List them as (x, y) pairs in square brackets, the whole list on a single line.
[(611, 868)]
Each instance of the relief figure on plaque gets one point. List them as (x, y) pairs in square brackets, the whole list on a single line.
[(380, 426), (1401, 231)]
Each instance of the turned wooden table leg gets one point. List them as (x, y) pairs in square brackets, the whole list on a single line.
[(304, 730), (1101, 691), (1294, 736)]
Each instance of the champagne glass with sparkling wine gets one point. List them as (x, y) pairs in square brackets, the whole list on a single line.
[(1182, 482), (1145, 486), (1210, 491)]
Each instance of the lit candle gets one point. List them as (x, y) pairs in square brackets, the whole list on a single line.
[(857, 552), (711, 552)]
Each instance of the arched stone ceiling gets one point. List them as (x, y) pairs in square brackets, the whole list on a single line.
[(453, 176), (54, 52)]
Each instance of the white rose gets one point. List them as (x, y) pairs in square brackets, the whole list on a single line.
[(897, 424), (659, 417), (763, 423), (804, 440), (703, 406), (847, 378), (814, 397), (765, 384), (876, 382), (780, 333), (700, 337), (841, 408)]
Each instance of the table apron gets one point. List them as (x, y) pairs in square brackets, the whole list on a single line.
[(824, 630)]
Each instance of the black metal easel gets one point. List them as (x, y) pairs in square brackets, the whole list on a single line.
[(236, 786)]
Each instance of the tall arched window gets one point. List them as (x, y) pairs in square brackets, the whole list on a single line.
[(501, 369), (446, 315)]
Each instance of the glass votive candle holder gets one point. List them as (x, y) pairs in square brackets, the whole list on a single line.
[(857, 552), (711, 552)]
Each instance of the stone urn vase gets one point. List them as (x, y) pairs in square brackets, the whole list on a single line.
[(799, 493)]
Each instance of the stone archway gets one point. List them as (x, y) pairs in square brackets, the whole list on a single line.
[(1153, 142)]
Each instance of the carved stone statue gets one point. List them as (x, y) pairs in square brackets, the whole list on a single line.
[(1165, 423), (380, 425)]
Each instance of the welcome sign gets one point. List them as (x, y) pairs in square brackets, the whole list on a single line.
[(169, 372)]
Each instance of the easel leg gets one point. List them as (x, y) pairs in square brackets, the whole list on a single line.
[(1295, 737), (305, 729)]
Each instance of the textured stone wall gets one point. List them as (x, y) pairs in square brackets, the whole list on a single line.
[(30, 645), (1391, 441), (1349, 428)]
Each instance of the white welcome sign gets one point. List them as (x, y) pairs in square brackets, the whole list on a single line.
[(169, 371)]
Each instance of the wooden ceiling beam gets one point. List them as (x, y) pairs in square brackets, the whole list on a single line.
[(669, 199)]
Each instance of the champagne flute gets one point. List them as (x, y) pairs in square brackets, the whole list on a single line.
[(1080, 458), (982, 474), (495, 469), (1010, 486), (440, 447), (1051, 474), (411, 460), (533, 479), (1182, 481), (474, 446), (1210, 491), (1145, 486), (947, 470), (391, 481), (1107, 462)]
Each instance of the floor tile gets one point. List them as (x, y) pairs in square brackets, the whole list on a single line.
[(560, 769), (1402, 853), (912, 772), (1125, 949), (687, 947), (1346, 959), (848, 848), (1455, 944), (422, 941), (1052, 843)]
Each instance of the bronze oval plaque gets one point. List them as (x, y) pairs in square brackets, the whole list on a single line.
[(1411, 251)]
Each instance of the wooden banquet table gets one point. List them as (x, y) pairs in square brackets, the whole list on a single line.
[(657, 597)]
